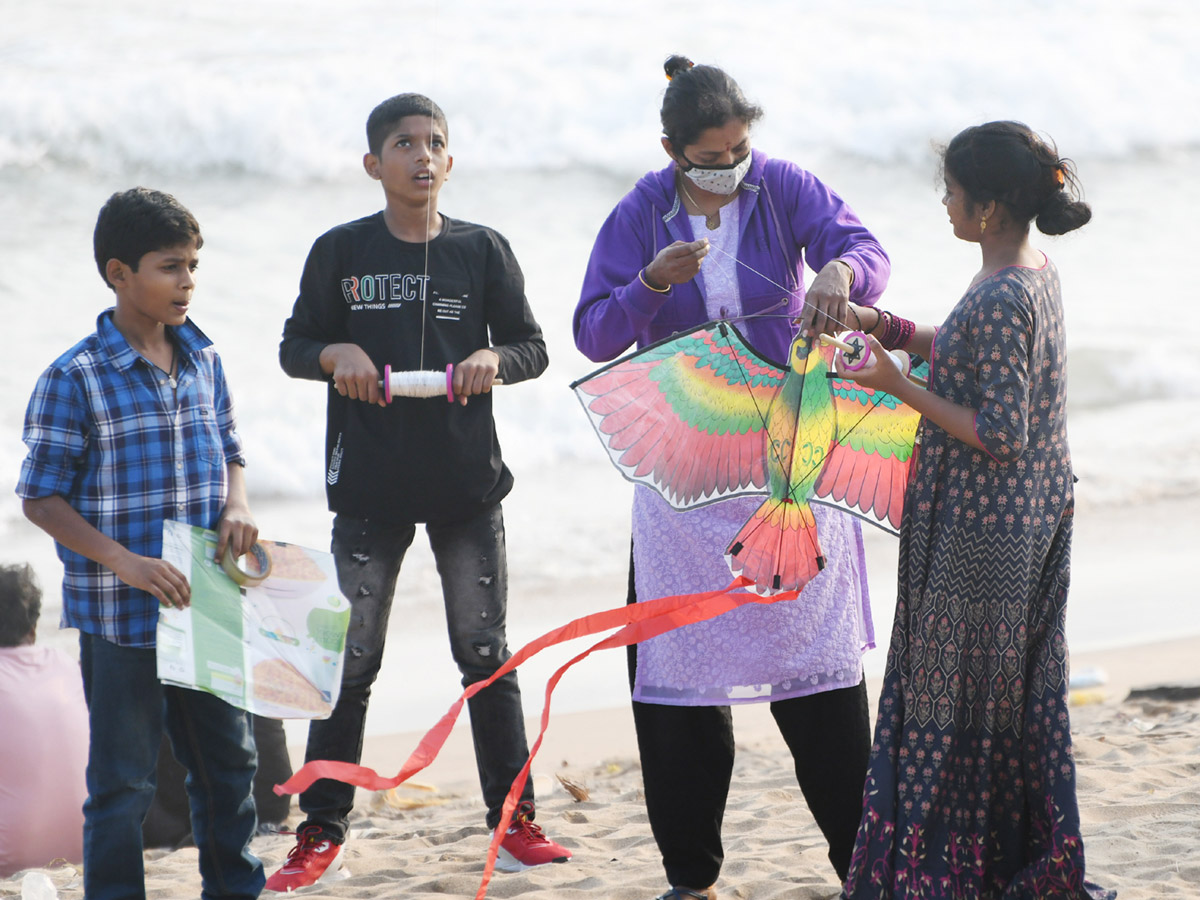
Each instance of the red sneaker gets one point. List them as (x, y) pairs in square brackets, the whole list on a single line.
[(315, 858), (525, 845)]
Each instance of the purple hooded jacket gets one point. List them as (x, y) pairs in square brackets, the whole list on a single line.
[(787, 217)]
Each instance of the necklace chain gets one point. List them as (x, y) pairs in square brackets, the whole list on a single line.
[(170, 370), (712, 220)]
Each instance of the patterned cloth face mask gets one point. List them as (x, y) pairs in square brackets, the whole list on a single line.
[(718, 179)]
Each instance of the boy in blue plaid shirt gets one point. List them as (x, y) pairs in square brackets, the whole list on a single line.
[(131, 426)]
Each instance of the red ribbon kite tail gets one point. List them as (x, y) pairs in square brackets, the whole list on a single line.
[(636, 622), (697, 608)]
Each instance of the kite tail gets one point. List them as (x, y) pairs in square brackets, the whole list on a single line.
[(639, 621), (777, 548)]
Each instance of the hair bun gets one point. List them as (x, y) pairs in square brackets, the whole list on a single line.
[(676, 64), (1062, 213), (1011, 164)]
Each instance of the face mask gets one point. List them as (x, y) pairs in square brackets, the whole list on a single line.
[(718, 179)]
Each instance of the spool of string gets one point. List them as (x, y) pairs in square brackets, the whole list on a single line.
[(857, 355), (421, 383), (416, 384)]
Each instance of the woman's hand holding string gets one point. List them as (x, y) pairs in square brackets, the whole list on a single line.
[(676, 263)]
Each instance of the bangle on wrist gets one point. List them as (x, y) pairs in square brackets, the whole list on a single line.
[(857, 320), (642, 279), (897, 333), (878, 319)]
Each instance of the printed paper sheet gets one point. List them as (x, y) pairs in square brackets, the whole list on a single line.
[(274, 649)]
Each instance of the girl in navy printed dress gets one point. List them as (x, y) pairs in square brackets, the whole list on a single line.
[(971, 789)]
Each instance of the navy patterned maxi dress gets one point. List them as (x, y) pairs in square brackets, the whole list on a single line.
[(971, 789)]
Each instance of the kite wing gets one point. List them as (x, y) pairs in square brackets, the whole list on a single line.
[(687, 416), (867, 469)]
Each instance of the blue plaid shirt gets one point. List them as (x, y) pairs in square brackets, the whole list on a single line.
[(107, 431)]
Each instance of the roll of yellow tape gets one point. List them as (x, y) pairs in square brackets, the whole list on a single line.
[(247, 577)]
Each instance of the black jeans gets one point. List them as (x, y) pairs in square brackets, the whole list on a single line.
[(471, 561), (687, 763)]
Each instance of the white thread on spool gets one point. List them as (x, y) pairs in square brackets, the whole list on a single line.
[(417, 384), (420, 384)]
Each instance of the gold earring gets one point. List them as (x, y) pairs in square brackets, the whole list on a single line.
[(983, 224)]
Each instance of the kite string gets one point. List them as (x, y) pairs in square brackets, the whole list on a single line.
[(873, 402), (428, 213), (428, 227), (790, 291)]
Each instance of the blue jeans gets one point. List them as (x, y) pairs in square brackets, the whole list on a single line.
[(128, 708), (471, 561)]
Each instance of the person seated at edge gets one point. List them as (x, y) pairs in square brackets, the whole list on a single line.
[(413, 288), (971, 787), (43, 744), (651, 274), (132, 426)]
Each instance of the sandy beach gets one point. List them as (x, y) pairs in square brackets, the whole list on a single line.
[(1138, 758), (1138, 761), (258, 128)]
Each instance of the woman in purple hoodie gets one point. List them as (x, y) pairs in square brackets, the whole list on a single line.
[(724, 232)]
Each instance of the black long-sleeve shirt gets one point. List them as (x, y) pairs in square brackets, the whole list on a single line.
[(416, 460)]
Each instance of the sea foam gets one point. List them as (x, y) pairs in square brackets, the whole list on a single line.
[(281, 90)]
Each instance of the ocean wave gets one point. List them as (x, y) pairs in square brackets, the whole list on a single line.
[(1107, 377), (282, 90)]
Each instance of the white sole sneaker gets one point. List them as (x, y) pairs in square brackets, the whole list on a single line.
[(506, 862), (335, 871)]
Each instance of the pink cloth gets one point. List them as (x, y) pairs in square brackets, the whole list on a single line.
[(755, 653), (43, 758)]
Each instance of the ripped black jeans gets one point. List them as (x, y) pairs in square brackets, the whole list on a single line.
[(471, 562)]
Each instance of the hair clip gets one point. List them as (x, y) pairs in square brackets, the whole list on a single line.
[(689, 65)]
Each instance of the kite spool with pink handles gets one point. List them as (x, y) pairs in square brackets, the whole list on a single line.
[(857, 355), (419, 384)]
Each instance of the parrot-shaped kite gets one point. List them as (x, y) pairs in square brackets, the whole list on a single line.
[(701, 416)]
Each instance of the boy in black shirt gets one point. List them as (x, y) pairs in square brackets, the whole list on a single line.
[(416, 290)]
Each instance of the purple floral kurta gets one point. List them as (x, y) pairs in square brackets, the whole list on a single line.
[(757, 652), (971, 788)]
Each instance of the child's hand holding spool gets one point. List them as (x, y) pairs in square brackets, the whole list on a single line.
[(860, 356), (355, 376), (474, 375)]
